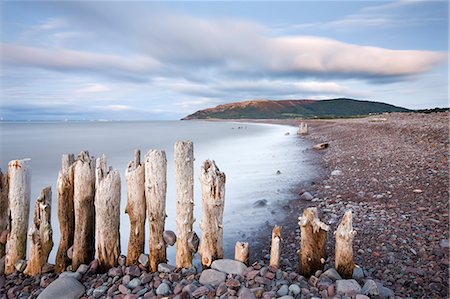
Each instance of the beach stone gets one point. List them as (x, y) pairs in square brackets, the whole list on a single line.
[(47, 268), (126, 279), (221, 289), (294, 289), (134, 283), (306, 196), (229, 266), (123, 289), (286, 297), (347, 287), (166, 268), (211, 276), (70, 252), (131, 296), (66, 287), (143, 259), (233, 283), (133, 270), (444, 243), (336, 172), (332, 274), (283, 291), (20, 265), (370, 288), (82, 269), (359, 296), (122, 260), (74, 275), (169, 237), (193, 241), (201, 291), (358, 273), (260, 203), (142, 292), (245, 293), (385, 292), (93, 266), (163, 289), (146, 278), (116, 271), (100, 291)]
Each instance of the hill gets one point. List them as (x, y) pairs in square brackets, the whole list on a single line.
[(268, 109)]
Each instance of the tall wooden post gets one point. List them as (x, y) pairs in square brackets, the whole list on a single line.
[(303, 129), (135, 208), (213, 197), (313, 238), (4, 188), (184, 181), (40, 234), (83, 198), (19, 172), (155, 194), (66, 214), (344, 246), (241, 252), (275, 249), (107, 214)]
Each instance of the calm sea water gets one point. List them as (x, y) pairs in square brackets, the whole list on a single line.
[(249, 154)]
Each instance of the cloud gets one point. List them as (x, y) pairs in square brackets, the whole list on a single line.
[(94, 88), (117, 107)]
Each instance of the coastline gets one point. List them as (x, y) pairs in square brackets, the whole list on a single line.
[(394, 176)]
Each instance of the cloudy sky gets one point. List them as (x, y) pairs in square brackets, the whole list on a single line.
[(164, 60)]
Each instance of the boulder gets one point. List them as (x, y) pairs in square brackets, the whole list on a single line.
[(347, 287), (370, 288), (65, 287), (143, 260), (332, 274), (169, 237), (229, 266), (212, 277), (163, 289), (166, 268)]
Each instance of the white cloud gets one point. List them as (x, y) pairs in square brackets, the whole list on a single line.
[(117, 107), (94, 88)]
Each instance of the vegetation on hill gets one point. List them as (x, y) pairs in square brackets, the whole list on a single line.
[(268, 109)]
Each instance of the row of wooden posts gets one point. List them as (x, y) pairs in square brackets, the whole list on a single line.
[(88, 196)]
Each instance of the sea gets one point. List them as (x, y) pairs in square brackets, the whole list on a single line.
[(262, 163)]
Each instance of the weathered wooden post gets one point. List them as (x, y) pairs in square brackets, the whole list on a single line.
[(184, 181), (155, 194), (302, 129), (40, 234), (19, 172), (313, 238), (241, 252), (275, 249), (66, 214), (3, 212), (107, 214), (135, 208), (344, 246), (83, 199), (213, 196)]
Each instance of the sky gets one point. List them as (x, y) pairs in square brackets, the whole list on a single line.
[(146, 60)]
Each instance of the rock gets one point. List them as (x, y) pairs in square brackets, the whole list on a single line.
[(320, 146), (294, 289), (336, 172), (417, 191), (169, 237), (20, 265), (4, 236), (221, 289), (283, 291), (370, 288), (385, 292), (123, 289), (73, 275), (212, 277), (332, 274), (48, 268), (100, 291), (143, 260), (134, 283), (133, 270), (286, 297), (201, 291), (93, 266), (347, 287), (245, 293), (306, 196), (116, 271), (444, 243), (229, 266), (70, 252), (82, 269), (278, 172), (131, 296), (358, 273), (122, 260), (166, 268), (287, 134), (163, 289), (233, 283), (193, 241), (260, 203), (67, 288), (359, 296)]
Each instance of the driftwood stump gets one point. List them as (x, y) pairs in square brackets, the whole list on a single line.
[(184, 181), (19, 172), (302, 129), (275, 249), (241, 252), (3, 212), (107, 215), (344, 246), (135, 208), (83, 199), (155, 194), (66, 214), (313, 237), (40, 234), (213, 196)]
